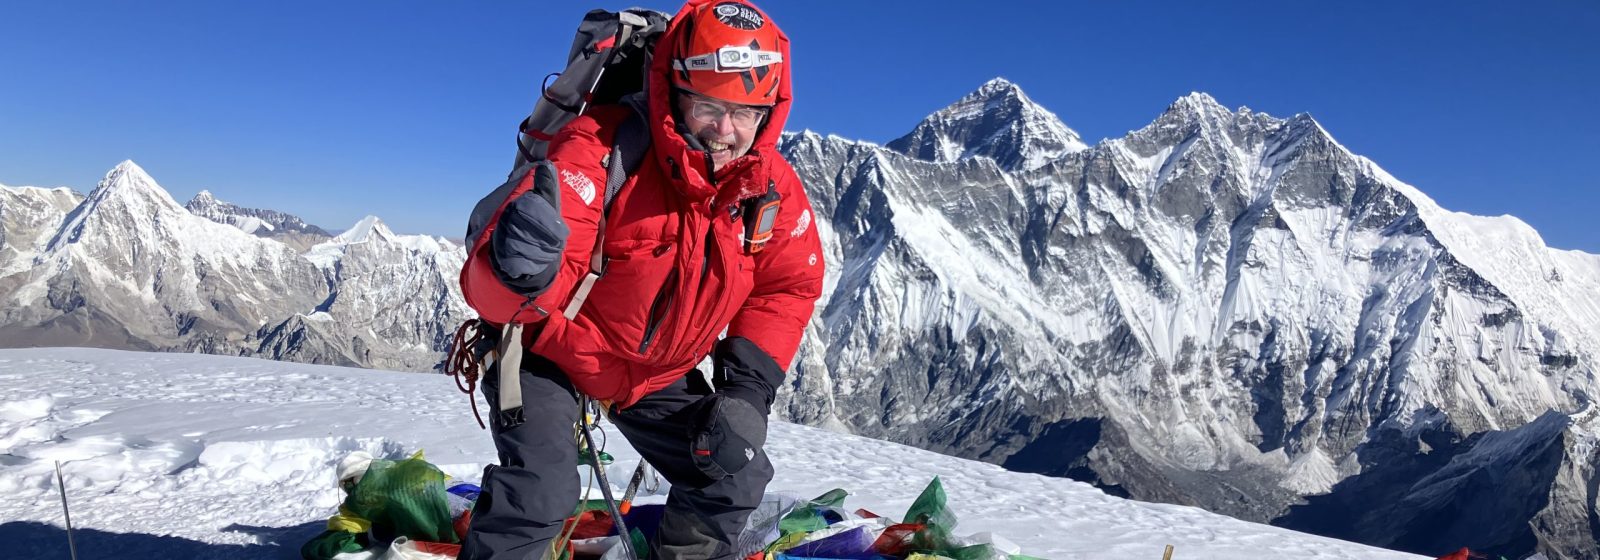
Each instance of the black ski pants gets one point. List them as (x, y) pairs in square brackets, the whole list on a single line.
[(534, 488)]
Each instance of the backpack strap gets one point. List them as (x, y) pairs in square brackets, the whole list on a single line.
[(628, 147)]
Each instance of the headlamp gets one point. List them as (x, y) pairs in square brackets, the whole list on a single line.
[(730, 59)]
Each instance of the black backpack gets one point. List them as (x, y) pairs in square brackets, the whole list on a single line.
[(608, 63), (609, 60)]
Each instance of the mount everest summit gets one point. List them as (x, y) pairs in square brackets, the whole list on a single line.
[(998, 121), (1223, 308)]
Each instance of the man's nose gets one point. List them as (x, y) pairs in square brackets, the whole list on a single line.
[(724, 124)]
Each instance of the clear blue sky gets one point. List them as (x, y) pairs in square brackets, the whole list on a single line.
[(407, 109)]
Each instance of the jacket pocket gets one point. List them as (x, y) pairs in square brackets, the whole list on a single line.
[(632, 300), (658, 311)]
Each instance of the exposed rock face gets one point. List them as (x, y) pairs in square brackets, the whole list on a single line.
[(397, 299), (26, 214), (1509, 492)]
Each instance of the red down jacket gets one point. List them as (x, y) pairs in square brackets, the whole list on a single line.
[(677, 272)]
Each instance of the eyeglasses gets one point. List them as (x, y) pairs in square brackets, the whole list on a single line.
[(711, 112)]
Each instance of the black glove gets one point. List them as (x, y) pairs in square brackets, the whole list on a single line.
[(744, 371), (730, 425), (527, 243)]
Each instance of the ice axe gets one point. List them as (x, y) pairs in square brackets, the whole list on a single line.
[(600, 474)]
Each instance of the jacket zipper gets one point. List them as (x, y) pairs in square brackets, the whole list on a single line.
[(658, 310), (705, 264), (663, 300)]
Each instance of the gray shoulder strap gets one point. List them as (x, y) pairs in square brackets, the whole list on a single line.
[(627, 149), (627, 153)]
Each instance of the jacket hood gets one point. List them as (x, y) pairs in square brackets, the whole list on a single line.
[(741, 178)]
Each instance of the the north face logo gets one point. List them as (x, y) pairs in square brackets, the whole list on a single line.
[(803, 223), (580, 184), (749, 454)]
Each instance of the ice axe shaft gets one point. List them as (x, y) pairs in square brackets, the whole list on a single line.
[(600, 474), (62, 483)]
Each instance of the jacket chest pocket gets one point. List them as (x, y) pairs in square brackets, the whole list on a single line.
[(633, 299)]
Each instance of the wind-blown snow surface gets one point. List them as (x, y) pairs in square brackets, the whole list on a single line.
[(175, 455)]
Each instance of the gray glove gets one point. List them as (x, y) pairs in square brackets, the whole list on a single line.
[(526, 244)]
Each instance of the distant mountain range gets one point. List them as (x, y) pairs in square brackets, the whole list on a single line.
[(127, 267), (270, 224), (1223, 308)]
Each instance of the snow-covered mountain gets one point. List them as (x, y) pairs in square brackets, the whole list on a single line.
[(25, 214), (398, 292), (127, 267), (997, 121), (1223, 308), (219, 457), (256, 221)]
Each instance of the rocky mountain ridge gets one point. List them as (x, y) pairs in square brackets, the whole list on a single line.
[(270, 224)]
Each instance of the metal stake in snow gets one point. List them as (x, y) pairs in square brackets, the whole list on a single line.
[(62, 482)]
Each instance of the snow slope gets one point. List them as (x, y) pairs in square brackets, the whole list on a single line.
[(175, 455)]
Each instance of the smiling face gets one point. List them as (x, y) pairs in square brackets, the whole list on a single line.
[(727, 130)]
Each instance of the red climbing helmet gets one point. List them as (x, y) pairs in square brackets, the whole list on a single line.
[(728, 50)]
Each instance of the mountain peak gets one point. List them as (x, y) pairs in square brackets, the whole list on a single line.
[(997, 86), (1200, 99), (203, 204), (127, 173), (128, 180), (997, 121), (1198, 105), (127, 205), (364, 230), (128, 166)]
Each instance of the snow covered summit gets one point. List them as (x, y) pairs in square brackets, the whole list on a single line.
[(997, 121), (1223, 308)]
